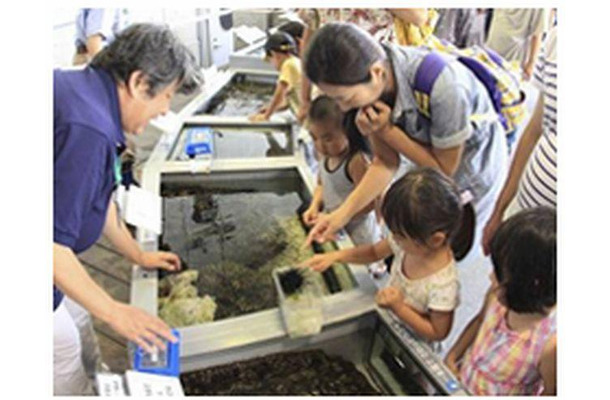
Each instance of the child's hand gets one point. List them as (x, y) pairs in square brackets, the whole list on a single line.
[(321, 262), (259, 117), (310, 216), (389, 297), (452, 364), (374, 119)]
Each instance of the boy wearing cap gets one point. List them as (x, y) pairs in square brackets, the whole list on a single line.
[(281, 52)]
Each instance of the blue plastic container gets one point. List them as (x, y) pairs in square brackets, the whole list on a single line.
[(165, 362), (199, 141)]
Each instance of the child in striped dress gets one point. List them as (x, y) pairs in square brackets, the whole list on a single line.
[(510, 347)]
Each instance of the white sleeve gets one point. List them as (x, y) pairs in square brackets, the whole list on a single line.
[(444, 296)]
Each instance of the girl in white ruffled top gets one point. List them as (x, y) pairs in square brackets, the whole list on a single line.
[(423, 212)]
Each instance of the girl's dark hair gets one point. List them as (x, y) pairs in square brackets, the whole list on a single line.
[(295, 29), (524, 256), (154, 50), (341, 54), (422, 202), (325, 109)]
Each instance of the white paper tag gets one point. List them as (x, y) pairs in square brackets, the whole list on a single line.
[(109, 385), (151, 385), (143, 209)]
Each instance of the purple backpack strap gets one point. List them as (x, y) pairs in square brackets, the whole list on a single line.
[(488, 80), (430, 68)]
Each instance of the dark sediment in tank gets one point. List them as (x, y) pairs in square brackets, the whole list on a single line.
[(292, 373)]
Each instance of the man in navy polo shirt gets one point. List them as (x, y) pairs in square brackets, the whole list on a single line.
[(126, 85)]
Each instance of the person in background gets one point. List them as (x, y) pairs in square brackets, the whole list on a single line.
[(423, 212), (533, 173), (96, 28), (129, 82), (516, 34), (510, 347), (463, 27), (344, 160), (281, 52), (413, 26), (295, 29)]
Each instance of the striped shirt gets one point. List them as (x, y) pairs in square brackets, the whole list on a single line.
[(538, 184)]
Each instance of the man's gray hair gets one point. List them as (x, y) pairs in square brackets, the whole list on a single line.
[(154, 50)]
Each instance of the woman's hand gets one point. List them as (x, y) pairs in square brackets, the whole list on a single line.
[(160, 259), (321, 262), (374, 119), (139, 327), (302, 113), (389, 297)]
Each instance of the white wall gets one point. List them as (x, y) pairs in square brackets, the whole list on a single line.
[(184, 22)]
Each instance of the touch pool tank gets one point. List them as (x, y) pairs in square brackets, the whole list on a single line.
[(234, 230), (243, 95)]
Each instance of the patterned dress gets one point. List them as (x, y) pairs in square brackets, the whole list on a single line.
[(505, 362)]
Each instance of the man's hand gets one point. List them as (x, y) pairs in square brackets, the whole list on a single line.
[(161, 260), (139, 327)]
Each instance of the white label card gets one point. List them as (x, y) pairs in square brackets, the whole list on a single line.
[(151, 385), (143, 209), (110, 385)]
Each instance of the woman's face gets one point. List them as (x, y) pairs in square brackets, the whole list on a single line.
[(350, 97)]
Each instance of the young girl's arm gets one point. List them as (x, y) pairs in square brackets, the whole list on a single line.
[(356, 169), (365, 254), (467, 337), (548, 367), (434, 325), (279, 98), (311, 214)]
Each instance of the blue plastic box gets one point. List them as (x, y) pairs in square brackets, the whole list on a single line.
[(167, 361), (199, 141)]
